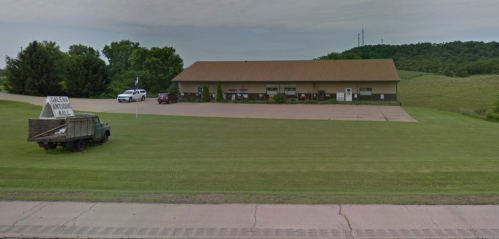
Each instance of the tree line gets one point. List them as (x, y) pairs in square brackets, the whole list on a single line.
[(43, 69), (451, 59)]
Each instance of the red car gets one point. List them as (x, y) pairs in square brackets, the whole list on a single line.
[(167, 97)]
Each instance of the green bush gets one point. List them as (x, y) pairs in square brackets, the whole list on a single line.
[(190, 100), (173, 88), (280, 98), (206, 94), (493, 116), (496, 106), (220, 96), (472, 113)]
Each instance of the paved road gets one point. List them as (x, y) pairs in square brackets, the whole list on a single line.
[(119, 220), (151, 106)]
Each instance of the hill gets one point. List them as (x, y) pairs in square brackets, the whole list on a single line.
[(450, 59), (448, 93)]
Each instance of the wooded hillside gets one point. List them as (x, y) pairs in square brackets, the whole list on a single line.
[(450, 59)]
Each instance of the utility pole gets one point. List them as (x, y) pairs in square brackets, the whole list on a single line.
[(358, 39)]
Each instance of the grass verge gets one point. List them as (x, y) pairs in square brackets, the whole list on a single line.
[(447, 158)]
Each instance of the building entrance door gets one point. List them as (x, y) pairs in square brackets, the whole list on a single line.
[(321, 94), (348, 94)]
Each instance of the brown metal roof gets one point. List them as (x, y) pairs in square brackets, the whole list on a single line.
[(270, 71)]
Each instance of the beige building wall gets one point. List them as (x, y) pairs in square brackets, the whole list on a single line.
[(378, 87), (381, 87), (304, 87), (192, 87), (231, 85), (331, 88), (254, 88), (189, 87)]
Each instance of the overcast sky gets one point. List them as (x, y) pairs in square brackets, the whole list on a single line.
[(224, 30)]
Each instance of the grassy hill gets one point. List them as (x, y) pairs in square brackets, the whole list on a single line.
[(448, 93), (411, 74), (446, 158)]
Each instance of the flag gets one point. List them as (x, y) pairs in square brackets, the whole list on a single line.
[(136, 83)]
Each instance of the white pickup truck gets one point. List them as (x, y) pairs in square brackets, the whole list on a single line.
[(131, 95)]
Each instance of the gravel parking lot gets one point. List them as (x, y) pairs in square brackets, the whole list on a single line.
[(151, 106)]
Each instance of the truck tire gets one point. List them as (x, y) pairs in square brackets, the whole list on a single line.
[(119, 101), (105, 138), (143, 98), (80, 145), (130, 99)]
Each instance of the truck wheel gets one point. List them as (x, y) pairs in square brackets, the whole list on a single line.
[(169, 102), (143, 98), (105, 138), (80, 146), (159, 102), (130, 99), (119, 101)]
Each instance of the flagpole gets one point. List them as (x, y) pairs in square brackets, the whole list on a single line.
[(137, 105)]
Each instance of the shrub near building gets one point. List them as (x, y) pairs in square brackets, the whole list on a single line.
[(206, 94)]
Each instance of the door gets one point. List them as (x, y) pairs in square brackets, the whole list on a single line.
[(98, 128), (321, 94), (348, 94)]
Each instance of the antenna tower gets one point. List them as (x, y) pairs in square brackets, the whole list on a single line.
[(358, 39), (362, 34)]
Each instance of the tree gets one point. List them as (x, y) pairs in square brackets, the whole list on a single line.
[(173, 88), (220, 96), (39, 69), (119, 55), (206, 94), (87, 73), (162, 64)]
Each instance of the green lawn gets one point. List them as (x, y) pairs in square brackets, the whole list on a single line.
[(451, 94), (446, 158)]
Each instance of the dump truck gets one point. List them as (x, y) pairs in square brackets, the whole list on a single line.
[(73, 132)]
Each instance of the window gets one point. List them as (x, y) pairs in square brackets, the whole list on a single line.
[(271, 91), (200, 90), (366, 91), (290, 91)]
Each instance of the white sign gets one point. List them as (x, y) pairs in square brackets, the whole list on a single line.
[(182, 94), (57, 107), (382, 96), (340, 96)]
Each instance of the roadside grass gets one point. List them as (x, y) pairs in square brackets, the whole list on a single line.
[(476, 92), (411, 74), (447, 158)]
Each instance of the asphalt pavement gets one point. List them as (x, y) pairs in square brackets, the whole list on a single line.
[(234, 110)]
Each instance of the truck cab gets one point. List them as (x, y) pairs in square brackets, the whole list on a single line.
[(102, 130)]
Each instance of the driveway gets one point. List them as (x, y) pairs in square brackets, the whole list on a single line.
[(151, 106)]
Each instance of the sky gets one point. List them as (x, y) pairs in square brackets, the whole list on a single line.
[(239, 30)]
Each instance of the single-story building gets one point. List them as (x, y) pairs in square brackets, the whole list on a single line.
[(362, 80)]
